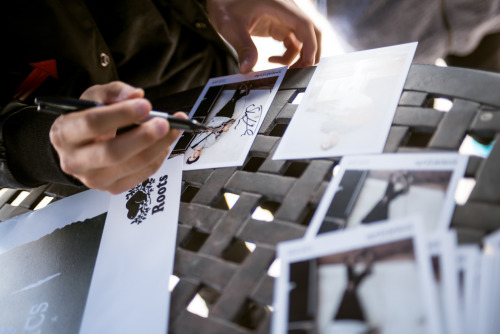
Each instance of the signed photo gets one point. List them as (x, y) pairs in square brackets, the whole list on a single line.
[(233, 109)]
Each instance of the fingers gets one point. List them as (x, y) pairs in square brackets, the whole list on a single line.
[(227, 18), (120, 163), (78, 128), (121, 174), (241, 41), (292, 46), (112, 152), (311, 51), (282, 20), (128, 167), (141, 144), (89, 150), (112, 92), (300, 33)]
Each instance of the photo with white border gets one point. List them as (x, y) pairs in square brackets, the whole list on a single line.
[(369, 188), (336, 282), (233, 109), (349, 104)]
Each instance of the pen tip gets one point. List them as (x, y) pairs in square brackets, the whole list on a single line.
[(199, 124)]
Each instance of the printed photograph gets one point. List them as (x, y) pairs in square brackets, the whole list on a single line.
[(368, 196), (367, 290), (443, 252), (376, 279), (468, 264), (349, 105), (366, 189), (232, 109)]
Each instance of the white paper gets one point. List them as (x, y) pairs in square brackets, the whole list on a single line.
[(420, 183), (35, 224), (488, 320), (443, 252), (92, 263), (468, 263), (396, 294), (234, 125), (349, 104), (129, 290), (46, 263)]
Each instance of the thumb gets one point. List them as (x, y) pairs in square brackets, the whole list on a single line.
[(240, 40), (247, 57)]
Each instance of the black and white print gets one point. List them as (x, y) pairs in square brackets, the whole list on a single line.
[(372, 280), (233, 109), (372, 188)]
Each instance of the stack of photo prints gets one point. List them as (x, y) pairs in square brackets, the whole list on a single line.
[(378, 255)]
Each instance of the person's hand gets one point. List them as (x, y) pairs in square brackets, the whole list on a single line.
[(90, 150), (282, 20)]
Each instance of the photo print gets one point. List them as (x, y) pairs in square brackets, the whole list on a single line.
[(443, 252), (349, 104), (373, 280), (368, 189), (233, 108), (468, 263), (488, 320)]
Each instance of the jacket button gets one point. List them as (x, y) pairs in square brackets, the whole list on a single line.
[(104, 58), (200, 25)]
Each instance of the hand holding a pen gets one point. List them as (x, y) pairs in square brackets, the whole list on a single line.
[(90, 150)]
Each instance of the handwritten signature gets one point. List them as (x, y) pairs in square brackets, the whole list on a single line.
[(251, 118)]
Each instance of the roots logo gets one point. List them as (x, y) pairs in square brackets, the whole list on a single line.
[(139, 200)]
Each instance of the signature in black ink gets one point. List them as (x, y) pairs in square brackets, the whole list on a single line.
[(251, 111)]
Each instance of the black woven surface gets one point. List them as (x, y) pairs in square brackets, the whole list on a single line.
[(212, 259)]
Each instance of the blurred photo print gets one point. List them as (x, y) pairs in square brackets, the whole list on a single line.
[(368, 189), (374, 280), (349, 104), (232, 108), (443, 252)]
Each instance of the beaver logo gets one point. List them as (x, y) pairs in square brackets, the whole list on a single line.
[(138, 201)]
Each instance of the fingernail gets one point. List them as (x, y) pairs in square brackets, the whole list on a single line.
[(161, 127), (128, 92), (142, 107), (244, 65)]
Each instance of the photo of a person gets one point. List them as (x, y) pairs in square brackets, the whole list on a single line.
[(343, 292), (207, 139), (232, 109), (369, 196), (350, 307), (219, 124), (398, 184), (351, 286)]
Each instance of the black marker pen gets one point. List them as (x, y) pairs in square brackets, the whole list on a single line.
[(63, 105)]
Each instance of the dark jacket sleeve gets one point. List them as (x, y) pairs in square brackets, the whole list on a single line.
[(27, 158)]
